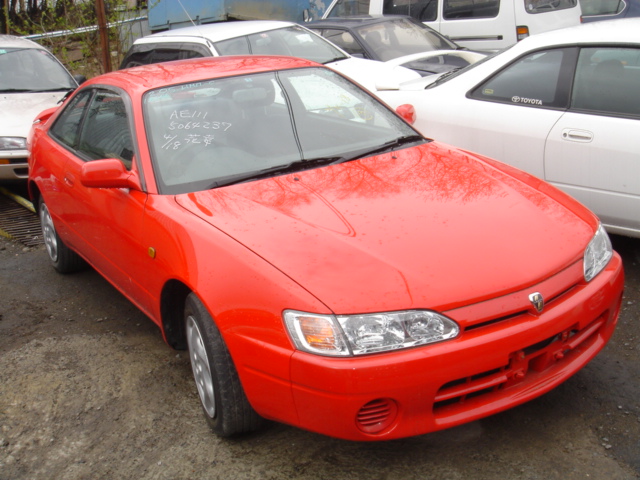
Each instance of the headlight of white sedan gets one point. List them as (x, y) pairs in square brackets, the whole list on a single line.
[(347, 335), (13, 143), (597, 254)]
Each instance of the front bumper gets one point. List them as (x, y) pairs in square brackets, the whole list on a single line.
[(506, 355), (13, 165)]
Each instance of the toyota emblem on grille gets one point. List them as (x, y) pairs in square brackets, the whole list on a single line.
[(537, 301)]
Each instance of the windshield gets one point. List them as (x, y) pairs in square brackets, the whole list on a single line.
[(397, 38), (293, 41), (218, 132), (32, 70)]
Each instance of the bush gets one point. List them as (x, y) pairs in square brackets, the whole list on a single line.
[(68, 28)]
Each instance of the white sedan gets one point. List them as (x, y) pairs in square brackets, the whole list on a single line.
[(563, 105)]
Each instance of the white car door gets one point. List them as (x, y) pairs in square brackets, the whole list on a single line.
[(593, 152)]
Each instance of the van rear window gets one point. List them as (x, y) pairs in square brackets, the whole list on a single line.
[(453, 9), (543, 6)]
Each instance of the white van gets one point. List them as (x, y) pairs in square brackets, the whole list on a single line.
[(475, 24)]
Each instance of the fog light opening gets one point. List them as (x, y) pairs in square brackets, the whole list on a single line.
[(377, 415)]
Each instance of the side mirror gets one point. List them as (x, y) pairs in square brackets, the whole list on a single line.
[(108, 173), (45, 115), (407, 112)]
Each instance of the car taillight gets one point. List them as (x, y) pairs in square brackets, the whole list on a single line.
[(522, 32)]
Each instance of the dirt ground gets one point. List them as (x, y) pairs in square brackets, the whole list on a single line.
[(88, 390)]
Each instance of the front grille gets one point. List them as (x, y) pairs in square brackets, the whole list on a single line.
[(522, 365)]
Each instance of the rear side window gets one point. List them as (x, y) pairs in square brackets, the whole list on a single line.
[(350, 7), (608, 81), (145, 54), (423, 10), (453, 9), (233, 46), (540, 79), (544, 6), (601, 7)]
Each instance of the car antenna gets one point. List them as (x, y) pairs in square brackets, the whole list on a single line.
[(187, 13)]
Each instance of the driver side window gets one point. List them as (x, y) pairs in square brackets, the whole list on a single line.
[(106, 132)]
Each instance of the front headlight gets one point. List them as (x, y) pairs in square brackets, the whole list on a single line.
[(597, 254), (347, 335), (13, 143)]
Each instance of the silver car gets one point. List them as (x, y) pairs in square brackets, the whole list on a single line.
[(31, 80)]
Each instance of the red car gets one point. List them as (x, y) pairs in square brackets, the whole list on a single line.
[(325, 265)]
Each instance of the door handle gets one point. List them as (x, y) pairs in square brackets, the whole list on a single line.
[(573, 135), (69, 179)]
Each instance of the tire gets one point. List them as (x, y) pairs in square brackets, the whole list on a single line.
[(63, 259), (222, 397)]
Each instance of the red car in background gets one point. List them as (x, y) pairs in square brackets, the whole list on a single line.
[(325, 265)]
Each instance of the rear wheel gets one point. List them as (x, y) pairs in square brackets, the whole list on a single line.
[(223, 400), (63, 259)]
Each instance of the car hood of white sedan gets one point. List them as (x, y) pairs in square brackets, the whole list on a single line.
[(19, 110), (368, 73), (424, 227)]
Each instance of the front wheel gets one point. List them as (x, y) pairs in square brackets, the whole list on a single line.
[(223, 400), (63, 259)]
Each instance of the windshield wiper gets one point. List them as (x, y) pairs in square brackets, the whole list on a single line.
[(66, 95), (385, 147), (18, 90), (445, 75), (291, 167), (335, 59), (299, 165), (36, 90)]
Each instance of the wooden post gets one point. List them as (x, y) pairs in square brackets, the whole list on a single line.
[(104, 35)]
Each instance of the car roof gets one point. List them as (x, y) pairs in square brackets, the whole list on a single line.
[(619, 31), (217, 32), (11, 41), (356, 20), (137, 80)]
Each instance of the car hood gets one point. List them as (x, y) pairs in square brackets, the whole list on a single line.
[(20, 109), (368, 73), (423, 227)]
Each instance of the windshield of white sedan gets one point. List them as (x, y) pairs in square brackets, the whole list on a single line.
[(219, 132), (32, 70), (292, 41)]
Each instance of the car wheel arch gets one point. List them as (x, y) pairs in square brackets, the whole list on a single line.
[(172, 303)]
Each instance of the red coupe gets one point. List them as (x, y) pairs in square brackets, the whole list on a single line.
[(325, 265)]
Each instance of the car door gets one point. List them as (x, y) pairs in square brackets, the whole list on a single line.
[(105, 222), (593, 151), (506, 116)]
